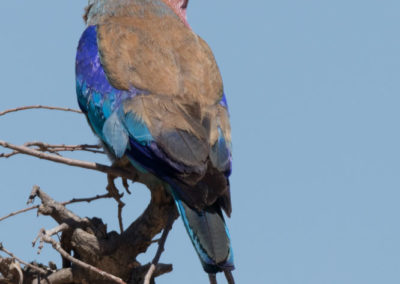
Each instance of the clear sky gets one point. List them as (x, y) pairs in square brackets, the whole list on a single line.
[(313, 89)]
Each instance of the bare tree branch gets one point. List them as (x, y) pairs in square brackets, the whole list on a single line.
[(38, 107), (45, 236), (74, 200), (126, 185), (160, 250), (90, 253), (229, 277), (88, 200), (213, 278), (19, 212), (114, 192), (103, 251), (67, 161), (36, 268), (100, 251), (62, 276), (55, 149), (109, 251), (139, 273)]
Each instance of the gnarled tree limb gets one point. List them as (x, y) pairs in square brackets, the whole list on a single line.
[(90, 253), (108, 252)]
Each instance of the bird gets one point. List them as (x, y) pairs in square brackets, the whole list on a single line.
[(152, 93)]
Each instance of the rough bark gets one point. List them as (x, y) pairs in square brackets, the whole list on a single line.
[(87, 241)]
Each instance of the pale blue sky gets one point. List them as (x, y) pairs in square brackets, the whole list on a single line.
[(313, 89)]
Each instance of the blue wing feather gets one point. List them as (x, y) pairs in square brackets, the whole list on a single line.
[(102, 102), (115, 135), (137, 128), (220, 153)]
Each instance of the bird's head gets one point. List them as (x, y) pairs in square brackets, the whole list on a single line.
[(101, 6), (179, 7)]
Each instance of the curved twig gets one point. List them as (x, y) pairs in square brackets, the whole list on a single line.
[(161, 244), (19, 212), (71, 162), (38, 107)]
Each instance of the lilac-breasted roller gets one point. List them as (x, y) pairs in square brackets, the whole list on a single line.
[(152, 92)]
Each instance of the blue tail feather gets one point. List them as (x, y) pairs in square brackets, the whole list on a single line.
[(209, 235)]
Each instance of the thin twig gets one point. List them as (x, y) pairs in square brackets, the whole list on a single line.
[(46, 237), (19, 212), (229, 277), (126, 185), (88, 200), (71, 162), (213, 278), (13, 153), (38, 107), (44, 147), (74, 200), (34, 267), (161, 244), (62, 147)]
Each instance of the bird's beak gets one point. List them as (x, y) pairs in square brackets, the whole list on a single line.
[(185, 4)]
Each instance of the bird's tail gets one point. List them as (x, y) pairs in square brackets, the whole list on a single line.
[(209, 235)]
